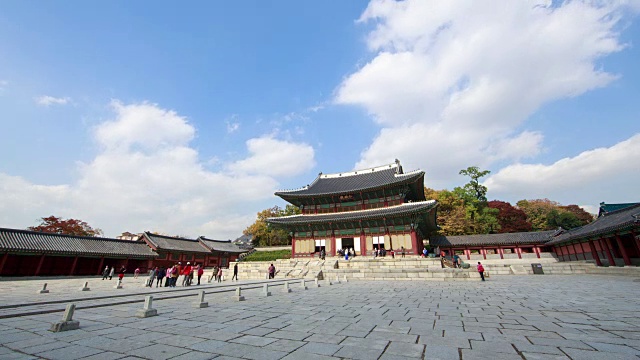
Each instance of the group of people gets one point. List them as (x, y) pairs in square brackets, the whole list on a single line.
[(109, 272), (347, 253)]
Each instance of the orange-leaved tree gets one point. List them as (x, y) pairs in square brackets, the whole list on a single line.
[(57, 225)]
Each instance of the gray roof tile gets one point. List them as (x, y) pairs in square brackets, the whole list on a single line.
[(220, 245), (624, 218), (534, 237), (397, 210), (171, 243), (354, 181), (13, 240)]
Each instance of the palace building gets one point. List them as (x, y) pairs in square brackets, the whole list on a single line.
[(363, 210)]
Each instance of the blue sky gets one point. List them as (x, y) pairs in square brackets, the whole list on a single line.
[(185, 119)]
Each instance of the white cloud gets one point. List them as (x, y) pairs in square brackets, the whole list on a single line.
[(233, 124), (452, 83), (46, 100), (275, 157), (147, 177), (603, 173)]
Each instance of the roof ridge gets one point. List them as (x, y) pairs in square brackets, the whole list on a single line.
[(512, 233), (207, 239), (359, 211), (170, 237), (608, 213), (2, 229)]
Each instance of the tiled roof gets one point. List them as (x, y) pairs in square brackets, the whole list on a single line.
[(607, 208), (220, 245), (398, 210), (171, 243), (536, 237), (355, 181), (12, 240), (624, 218)]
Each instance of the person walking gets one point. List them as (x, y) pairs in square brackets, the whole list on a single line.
[(105, 272), (167, 281), (481, 270), (200, 272), (174, 275), (220, 274), (425, 252), (402, 251), (112, 272), (121, 273), (136, 272), (152, 276), (186, 271), (159, 276), (272, 271), (235, 272)]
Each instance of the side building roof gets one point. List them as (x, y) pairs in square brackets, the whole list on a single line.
[(220, 245), (398, 210), (171, 243), (24, 241), (535, 237), (626, 218), (355, 181)]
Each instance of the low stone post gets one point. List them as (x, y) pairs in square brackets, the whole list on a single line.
[(200, 303), (239, 296), (316, 283), (85, 287), (118, 284), (44, 289), (303, 284), (265, 290), (345, 279), (67, 322), (147, 310), (286, 287)]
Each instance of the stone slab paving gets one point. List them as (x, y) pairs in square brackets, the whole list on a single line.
[(516, 317)]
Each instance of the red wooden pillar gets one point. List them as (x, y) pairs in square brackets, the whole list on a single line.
[(100, 266), (594, 253), (3, 261), (636, 240), (605, 245), (519, 251), (333, 243), (558, 251), (363, 243), (414, 241), (73, 266), (537, 250), (484, 253), (293, 245), (625, 256), (39, 265), (468, 253), (501, 253)]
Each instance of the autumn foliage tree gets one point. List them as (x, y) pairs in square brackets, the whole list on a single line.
[(510, 218), (265, 235), (56, 225)]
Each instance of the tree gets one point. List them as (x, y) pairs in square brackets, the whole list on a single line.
[(56, 225), (510, 218), (580, 213), (544, 214), (473, 187), (265, 235), (561, 218), (537, 212)]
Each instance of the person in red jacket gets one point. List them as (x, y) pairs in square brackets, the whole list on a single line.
[(186, 272), (481, 270), (200, 272)]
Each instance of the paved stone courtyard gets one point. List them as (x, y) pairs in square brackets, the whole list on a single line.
[(508, 317)]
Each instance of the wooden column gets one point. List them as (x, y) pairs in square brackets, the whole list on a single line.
[(594, 253), (518, 251), (73, 266), (501, 253), (363, 244), (636, 241), (605, 246), (468, 253), (333, 243), (537, 250), (414, 241), (3, 261), (39, 265), (100, 267), (484, 253), (293, 247), (558, 251), (623, 251)]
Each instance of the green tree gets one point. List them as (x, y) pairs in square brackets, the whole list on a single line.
[(56, 225), (561, 218), (483, 219), (473, 187), (265, 235)]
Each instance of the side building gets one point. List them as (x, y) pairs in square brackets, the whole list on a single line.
[(363, 210)]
